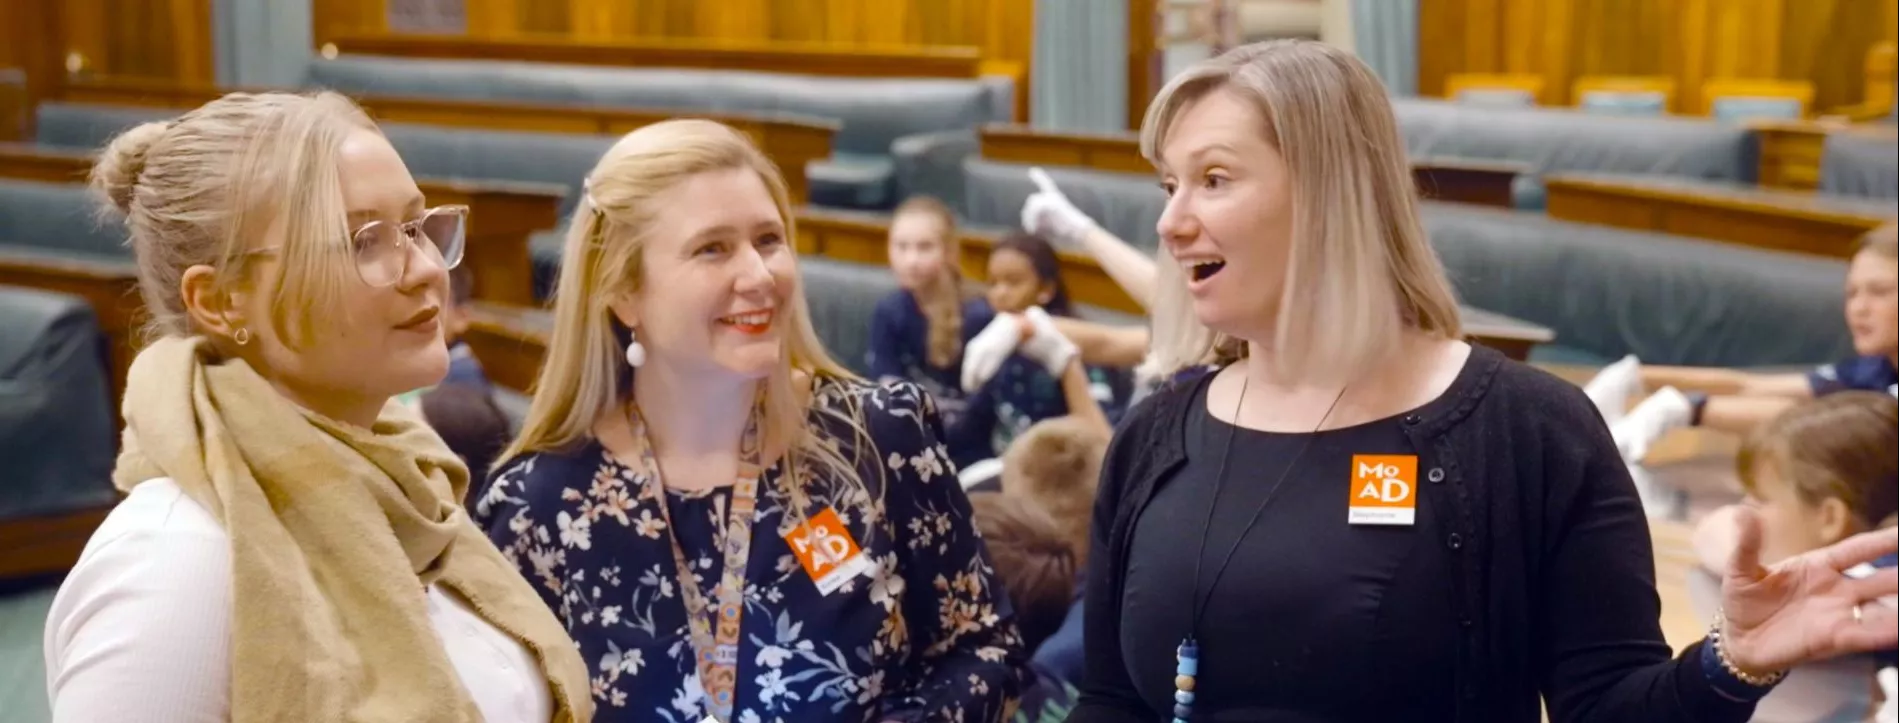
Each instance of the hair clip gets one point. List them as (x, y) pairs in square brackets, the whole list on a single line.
[(586, 192)]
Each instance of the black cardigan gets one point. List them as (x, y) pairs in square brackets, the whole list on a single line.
[(1557, 590)]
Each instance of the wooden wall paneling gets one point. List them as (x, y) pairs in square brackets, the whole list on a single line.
[(748, 20), (82, 32), (1556, 45), (1441, 31), (334, 18), (546, 17), (844, 21), (492, 18), (1143, 57), (800, 20), (597, 20), (190, 42), (1483, 40), (144, 38), (1826, 43), (29, 41)]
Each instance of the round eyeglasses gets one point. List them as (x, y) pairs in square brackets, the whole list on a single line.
[(382, 249)]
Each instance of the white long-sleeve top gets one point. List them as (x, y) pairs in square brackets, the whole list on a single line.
[(141, 629)]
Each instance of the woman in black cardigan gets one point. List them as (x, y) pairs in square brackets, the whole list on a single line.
[(1359, 517)]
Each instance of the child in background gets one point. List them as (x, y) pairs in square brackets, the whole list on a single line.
[(1037, 569), (1022, 369), (1818, 473), (1057, 463), (463, 368), (917, 333), (1737, 401)]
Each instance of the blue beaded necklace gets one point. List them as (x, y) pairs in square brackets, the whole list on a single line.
[(1187, 656)]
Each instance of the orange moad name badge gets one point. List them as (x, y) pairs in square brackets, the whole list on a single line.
[(828, 552), (1384, 489)]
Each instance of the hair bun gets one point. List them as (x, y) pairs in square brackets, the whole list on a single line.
[(116, 172)]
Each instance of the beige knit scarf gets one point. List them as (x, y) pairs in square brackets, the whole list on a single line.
[(336, 532)]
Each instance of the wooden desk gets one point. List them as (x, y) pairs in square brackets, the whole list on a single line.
[(510, 341), (1766, 218), (790, 141), (502, 216), (1514, 337), (1445, 179), (1790, 151), (1459, 180)]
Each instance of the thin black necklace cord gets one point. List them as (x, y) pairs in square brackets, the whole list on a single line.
[(1200, 601)]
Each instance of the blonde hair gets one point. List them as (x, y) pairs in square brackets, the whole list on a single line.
[(1361, 269), (1057, 463), (585, 374), (1839, 446), (201, 189), (1883, 240), (943, 309)]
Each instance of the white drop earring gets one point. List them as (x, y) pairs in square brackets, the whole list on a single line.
[(635, 351)]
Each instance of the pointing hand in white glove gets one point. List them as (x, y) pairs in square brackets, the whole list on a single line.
[(1048, 213), (984, 354)]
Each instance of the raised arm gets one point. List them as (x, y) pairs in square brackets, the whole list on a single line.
[(1048, 213), (1105, 345)]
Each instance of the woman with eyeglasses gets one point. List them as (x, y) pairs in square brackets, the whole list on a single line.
[(291, 545)]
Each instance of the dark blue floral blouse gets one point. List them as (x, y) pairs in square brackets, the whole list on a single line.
[(927, 634)]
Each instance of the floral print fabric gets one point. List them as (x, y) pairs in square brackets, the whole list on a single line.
[(926, 635)]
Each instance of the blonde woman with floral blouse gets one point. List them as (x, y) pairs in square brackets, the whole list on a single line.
[(688, 419)]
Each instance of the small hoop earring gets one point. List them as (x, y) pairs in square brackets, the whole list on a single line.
[(242, 336), (635, 352)]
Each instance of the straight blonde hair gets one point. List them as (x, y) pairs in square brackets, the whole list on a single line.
[(943, 309), (585, 374), (216, 183), (1361, 269)]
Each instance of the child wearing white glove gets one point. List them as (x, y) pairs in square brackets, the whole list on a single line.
[(1021, 368), (1736, 401)]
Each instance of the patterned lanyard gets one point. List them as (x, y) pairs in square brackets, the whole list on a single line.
[(715, 639)]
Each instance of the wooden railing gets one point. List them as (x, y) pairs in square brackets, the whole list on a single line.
[(791, 142), (1444, 179), (1765, 218)]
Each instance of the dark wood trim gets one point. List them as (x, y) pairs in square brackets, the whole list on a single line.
[(1774, 219), (782, 57), (1143, 52), (47, 545)]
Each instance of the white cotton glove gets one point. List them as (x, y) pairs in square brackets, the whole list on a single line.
[(1048, 213), (985, 353), (1046, 345), (1667, 409), (1889, 682), (1612, 387)]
